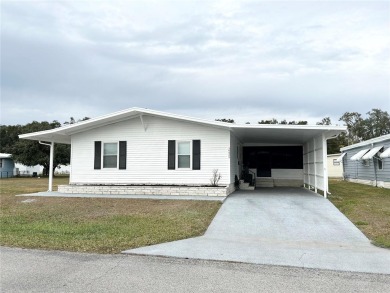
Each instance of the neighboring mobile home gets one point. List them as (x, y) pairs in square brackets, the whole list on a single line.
[(142, 151), (7, 165), (368, 162), (335, 166)]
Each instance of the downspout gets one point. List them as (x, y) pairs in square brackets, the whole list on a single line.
[(373, 162), (51, 164)]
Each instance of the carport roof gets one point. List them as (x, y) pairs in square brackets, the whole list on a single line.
[(259, 133)]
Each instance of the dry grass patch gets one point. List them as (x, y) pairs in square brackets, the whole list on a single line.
[(366, 206), (94, 224)]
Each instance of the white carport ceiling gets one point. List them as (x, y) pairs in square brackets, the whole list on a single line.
[(280, 135)]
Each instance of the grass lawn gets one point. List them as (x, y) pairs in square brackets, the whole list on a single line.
[(366, 206), (94, 225)]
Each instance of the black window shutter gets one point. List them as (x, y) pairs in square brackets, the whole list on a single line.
[(122, 155), (196, 155), (98, 155), (171, 154)]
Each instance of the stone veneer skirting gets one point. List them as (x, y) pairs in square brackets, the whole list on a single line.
[(147, 190)]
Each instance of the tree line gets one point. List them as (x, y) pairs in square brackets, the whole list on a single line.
[(375, 123), (29, 152)]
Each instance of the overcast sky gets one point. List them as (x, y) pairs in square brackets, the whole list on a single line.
[(247, 60)]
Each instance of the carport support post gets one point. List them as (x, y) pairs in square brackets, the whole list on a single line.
[(315, 164), (325, 165), (51, 166)]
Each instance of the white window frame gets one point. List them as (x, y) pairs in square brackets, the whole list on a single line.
[(117, 154), (177, 154)]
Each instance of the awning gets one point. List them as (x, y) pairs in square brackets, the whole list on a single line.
[(372, 153), (359, 155), (385, 154), (340, 159)]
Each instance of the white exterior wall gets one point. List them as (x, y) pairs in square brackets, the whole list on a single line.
[(147, 153), (334, 171), (314, 170)]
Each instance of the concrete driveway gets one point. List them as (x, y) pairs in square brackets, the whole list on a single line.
[(280, 226)]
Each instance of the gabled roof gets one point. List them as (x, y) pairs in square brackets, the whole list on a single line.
[(367, 142), (272, 133)]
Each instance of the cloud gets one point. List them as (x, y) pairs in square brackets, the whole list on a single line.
[(303, 59)]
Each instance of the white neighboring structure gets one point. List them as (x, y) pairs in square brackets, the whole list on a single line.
[(23, 170), (142, 151), (335, 166), (62, 170)]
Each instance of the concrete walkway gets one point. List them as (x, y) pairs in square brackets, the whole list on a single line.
[(280, 226), (125, 196)]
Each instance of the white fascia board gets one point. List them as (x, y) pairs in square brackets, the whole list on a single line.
[(340, 158), (367, 142), (62, 134), (359, 155), (372, 153), (287, 126), (106, 120), (385, 154)]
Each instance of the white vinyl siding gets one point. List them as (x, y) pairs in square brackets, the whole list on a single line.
[(147, 153)]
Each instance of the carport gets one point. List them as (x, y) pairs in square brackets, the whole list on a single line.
[(289, 155)]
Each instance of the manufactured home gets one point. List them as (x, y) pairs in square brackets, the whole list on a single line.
[(7, 165), (368, 162), (142, 151)]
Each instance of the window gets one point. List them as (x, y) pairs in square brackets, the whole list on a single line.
[(336, 163), (110, 155), (366, 163), (1, 163), (184, 154), (380, 165)]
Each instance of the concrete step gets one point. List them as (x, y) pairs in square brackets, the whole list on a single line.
[(264, 182), (244, 185), (247, 188)]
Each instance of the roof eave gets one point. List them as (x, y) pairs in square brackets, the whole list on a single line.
[(367, 142)]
